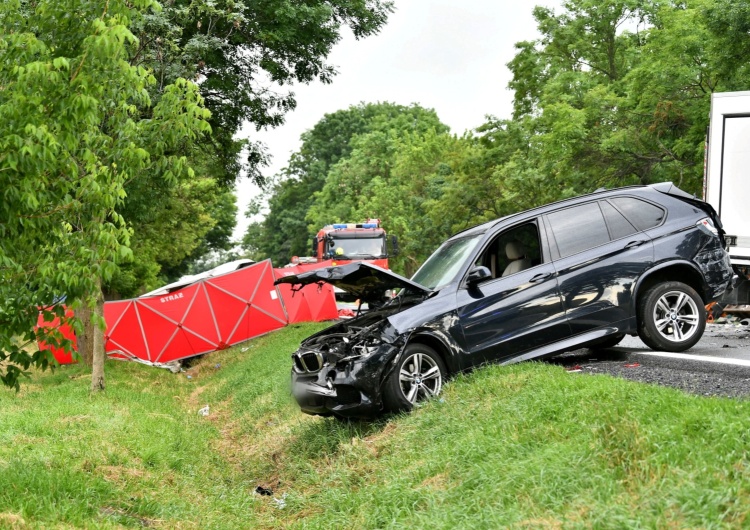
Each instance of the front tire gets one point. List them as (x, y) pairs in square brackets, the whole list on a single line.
[(671, 317), (418, 375)]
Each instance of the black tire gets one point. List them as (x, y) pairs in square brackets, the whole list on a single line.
[(395, 398), (607, 342), (671, 317)]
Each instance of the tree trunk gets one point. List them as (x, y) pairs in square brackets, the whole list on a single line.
[(97, 342), (84, 341)]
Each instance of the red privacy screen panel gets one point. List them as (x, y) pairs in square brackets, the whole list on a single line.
[(313, 303), (60, 355), (208, 315)]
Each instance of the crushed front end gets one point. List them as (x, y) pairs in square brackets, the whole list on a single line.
[(339, 370)]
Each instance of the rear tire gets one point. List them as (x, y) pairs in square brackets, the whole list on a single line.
[(671, 317), (419, 374)]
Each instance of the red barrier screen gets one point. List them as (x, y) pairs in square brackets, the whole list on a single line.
[(312, 303), (209, 315), (61, 356)]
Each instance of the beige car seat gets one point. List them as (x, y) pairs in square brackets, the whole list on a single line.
[(517, 254)]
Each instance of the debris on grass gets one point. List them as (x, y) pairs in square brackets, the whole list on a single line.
[(280, 503), (204, 411), (576, 368), (173, 366), (260, 490)]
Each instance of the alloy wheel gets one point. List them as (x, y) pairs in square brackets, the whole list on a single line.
[(676, 316), (420, 377)]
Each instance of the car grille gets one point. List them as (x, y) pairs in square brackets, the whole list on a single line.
[(308, 361)]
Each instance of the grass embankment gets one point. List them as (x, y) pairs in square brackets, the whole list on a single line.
[(527, 446)]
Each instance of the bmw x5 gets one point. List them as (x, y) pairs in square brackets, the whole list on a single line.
[(583, 272)]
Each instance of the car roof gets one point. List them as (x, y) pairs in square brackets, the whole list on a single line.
[(545, 208)]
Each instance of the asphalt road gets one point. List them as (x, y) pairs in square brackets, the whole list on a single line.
[(719, 365)]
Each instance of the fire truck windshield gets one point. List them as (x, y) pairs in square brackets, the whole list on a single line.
[(358, 248)]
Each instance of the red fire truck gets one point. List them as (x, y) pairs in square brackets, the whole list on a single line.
[(337, 244)]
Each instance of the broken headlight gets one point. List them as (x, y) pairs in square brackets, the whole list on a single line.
[(364, 348)]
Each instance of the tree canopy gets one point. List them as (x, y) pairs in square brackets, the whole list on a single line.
[(612, 93), (243, 56), (287, 229)]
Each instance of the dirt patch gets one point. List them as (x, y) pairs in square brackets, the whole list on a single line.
[(24, 439), (121, 515), (377, 441), (71, 420), (383, 433), (193, 399), (239, 448), (229, 444), (439, 482), (539, 523), (27, 389), (12, 521), (120, 474)]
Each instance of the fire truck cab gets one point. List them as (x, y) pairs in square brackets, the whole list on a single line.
[(365, 241)]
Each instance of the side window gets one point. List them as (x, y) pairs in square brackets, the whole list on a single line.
[(642, 214), (513, 251), (616, 222), (578, 228)]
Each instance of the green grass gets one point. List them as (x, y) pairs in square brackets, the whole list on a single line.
[(526, 446)]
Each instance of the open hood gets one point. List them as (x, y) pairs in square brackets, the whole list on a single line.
[(363, 280)]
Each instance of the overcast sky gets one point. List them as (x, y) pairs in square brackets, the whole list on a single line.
[(449, 55)]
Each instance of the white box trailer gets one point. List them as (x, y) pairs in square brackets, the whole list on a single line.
[(727, 179)]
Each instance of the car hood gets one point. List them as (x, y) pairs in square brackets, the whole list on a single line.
[(363, 280)]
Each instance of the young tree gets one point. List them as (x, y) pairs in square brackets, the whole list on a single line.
[(75, 126)]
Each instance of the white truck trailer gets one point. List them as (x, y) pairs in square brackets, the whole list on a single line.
[(726, 185)]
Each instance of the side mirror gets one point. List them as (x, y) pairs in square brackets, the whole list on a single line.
[(315, 247), (394, 246), (478, 275)]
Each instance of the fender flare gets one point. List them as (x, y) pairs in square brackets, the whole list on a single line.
[(662, 266), (451, 351)]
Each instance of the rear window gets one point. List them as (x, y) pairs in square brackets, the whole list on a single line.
[(642, 214), (578, 228)]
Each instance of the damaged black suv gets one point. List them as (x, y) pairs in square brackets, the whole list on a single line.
[(576, 273)]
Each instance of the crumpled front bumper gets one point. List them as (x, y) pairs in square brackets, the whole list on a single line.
[(351, 389)]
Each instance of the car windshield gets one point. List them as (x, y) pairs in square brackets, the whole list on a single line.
[(445, 262), (350, 248)]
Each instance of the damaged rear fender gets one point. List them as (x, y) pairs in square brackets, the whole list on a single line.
[(680, 270)]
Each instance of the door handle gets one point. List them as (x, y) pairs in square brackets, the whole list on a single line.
[(540, 277), (634, 244)]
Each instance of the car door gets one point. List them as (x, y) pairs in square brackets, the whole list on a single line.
[(520, 308), (598, 256)]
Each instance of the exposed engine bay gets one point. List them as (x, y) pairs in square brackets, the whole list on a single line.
[(346, 340)]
